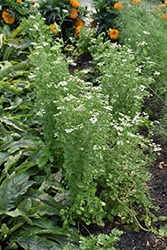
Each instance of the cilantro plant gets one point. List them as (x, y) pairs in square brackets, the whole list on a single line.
[(93, 132)]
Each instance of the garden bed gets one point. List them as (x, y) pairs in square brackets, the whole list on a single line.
[(130, 239)]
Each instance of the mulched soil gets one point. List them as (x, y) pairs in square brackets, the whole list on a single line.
[(130, 239)]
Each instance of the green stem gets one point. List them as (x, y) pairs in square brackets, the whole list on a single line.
[(134, 217)]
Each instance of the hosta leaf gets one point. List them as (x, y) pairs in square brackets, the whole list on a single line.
[(12, 122), (25, 205), (16, 227), (23, 143), (36, 243), (3, 157), (11, 188), (17, 213), (12, 160), (13, 42), (58, 175), (14, 105), (47, 203)]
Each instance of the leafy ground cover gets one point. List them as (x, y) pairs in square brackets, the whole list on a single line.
[(78, 143)]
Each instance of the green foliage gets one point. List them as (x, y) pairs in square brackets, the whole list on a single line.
[(29, 214), (13, 45), (53, 11), (93, 133), (163, 231), (100, 241), (86, 39), (104, 15), (149, 41)]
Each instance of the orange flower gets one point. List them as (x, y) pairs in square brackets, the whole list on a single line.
[(164, 17), (165, 2), (118, 6), (162, 5), (154, 11), (74, 3), (33, 1), (54, 29), (114, 34), (137, 1), (107, 8), (73, 14), (93, 24), (7, 17), (19, 1), (76, 32), (78, 22)]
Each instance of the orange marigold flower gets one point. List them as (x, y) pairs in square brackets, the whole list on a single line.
[(154, 11), (118, 6), (93, 24), (19, 1), (78, 22), (162, 5), (33, 1), (74, 3), (8, 17), (164, 17), (54, 29), (76, 32), (114, 34), (137, 1), (165, 2), (73, 14), (107, 8)]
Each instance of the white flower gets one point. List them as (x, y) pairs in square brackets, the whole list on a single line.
[(69, 130), (157, 73), (35, 26), (31, 76), (145, 32), (45, 44), (108, 108), (93, 120), (120, 142), (62, 83), (33, 17)]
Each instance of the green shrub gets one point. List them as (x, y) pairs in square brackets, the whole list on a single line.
[(55, 13), (104, 16), (149, 40), (92, 133)]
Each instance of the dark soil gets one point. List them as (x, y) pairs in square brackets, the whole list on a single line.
[(130, 239)]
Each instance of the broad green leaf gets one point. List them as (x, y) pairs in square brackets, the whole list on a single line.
[(25, 205), (7, 53), (3, 157), (58, 175), (16, 227), (47, 203), (13, 42), (23, 143), (14, 105), (12, 122), (11, 188), (36, 243), (12, 160), (16, 213), (4, 230)]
